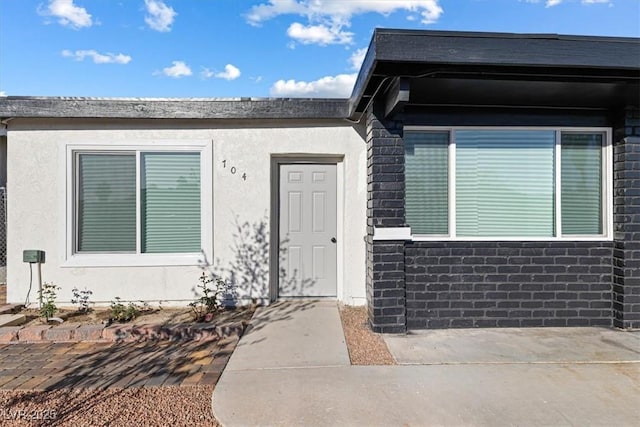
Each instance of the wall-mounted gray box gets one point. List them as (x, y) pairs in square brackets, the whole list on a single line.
[(32, 256)]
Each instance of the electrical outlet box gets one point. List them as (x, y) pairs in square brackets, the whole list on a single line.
[(33, 256)]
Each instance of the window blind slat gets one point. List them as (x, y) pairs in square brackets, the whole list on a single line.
[(170, 207), (581, 183), (106, 195), (426, 182), (504, 183)]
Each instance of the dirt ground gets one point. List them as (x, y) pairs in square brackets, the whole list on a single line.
[(152, 315)]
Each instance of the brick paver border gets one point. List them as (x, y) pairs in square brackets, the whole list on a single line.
[(127, 333)]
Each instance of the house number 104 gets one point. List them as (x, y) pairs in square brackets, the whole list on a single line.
[(233, 170)]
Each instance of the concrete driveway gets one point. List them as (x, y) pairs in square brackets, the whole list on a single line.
[(290, 369)]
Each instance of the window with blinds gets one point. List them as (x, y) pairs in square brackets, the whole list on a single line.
[(106, 202), (505, 183), (581, 183), (170, 202), (426, 182), (109, 205)]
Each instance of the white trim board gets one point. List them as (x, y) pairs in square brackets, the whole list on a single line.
[(391, 233)]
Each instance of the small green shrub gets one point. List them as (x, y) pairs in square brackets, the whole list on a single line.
[(81, 298), (123, 313), (48, 295), (210, 298)]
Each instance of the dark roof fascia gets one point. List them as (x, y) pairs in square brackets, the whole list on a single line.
[(546, 50), (501, 35), (157, 108), (364, 76), (406, 51)]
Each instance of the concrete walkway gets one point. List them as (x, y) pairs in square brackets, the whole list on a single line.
[(563, 376), (295, 334)]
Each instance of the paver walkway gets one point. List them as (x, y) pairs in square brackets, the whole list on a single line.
[(94, 365)]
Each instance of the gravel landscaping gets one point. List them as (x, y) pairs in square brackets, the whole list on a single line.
[(365, 347), (160, 406)]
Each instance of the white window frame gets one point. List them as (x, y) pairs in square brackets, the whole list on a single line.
[(110, 259), (607, 185)]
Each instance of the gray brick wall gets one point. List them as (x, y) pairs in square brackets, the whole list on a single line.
[(416, 285), (385, 173), (626, 255), (508, 284), (386, 295), (385, 208)]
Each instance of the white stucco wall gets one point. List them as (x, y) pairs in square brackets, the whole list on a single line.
[(36, 204)]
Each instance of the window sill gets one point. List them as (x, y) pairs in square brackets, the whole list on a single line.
[(422, 238), (404, 233), (133, 260)]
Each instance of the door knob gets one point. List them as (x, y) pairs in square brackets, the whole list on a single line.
[(333, 240)]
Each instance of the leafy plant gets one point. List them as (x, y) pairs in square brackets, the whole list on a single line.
[(209, 298), (48, 295), (124, 313), (81, 298)]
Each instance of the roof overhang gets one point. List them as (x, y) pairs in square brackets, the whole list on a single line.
[(434, 68)]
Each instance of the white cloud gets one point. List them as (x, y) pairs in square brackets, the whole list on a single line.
[(552, 3), (328, 19), (177, 70), (429, 9), (68, 14), (357, 57), (339, 86), (3, 93), (230, 72), (159, 16), (206, 73), (319, 34), (98, 58)]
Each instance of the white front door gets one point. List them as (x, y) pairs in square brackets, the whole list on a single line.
[(308, 217)]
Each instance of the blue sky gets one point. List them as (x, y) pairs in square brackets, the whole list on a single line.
[(233, 48)]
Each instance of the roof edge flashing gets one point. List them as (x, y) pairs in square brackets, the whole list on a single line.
[(503, 35), (160, 108), (160, 99)]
